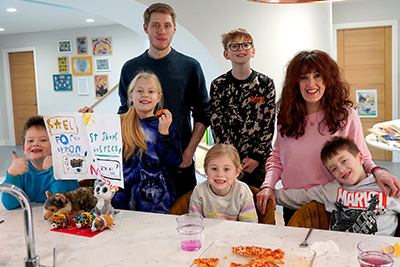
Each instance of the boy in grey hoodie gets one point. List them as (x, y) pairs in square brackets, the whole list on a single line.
[(355, 200)]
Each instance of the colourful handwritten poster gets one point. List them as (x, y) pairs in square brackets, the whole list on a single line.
[(86, 145)]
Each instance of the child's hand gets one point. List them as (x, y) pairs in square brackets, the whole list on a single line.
[(18, 166), (249, 164), (165, 121), (47, 163), (86, 109)]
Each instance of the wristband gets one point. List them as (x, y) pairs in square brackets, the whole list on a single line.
[(263, 187), (378, 168)]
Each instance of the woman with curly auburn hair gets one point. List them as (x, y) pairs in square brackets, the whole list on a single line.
[(292, 106), (314, 106)]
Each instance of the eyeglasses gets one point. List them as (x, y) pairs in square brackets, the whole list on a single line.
[(245, 46)]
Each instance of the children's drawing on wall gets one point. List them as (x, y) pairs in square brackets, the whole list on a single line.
[(81, 45), (366, 102), (62, 82), (86, 145), (101, 46), (101, 85)]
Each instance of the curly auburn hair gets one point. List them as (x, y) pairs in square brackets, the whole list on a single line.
[(335, 101)]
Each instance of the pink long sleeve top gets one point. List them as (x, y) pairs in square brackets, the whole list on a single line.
[(297, 161)]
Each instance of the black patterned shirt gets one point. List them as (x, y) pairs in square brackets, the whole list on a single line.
[(243, 113)]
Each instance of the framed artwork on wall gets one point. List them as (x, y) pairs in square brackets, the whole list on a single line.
[(62, 82), (82, 65), (81, 45), (366, 103), (102, 64), (65, 46), (101, 46), (63, 64), (83, 85), (101, 85)]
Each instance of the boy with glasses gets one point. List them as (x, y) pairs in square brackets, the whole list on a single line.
[(242, 105)]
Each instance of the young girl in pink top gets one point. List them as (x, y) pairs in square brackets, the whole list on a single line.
[(313, 107)]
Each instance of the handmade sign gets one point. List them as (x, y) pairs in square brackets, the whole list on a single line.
[(86, 145)]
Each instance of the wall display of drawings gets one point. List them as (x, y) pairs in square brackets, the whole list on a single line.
[(81, 45), (101, 46), (64, 46), (102, 64), (83, 85), (82, 65), (86, 145), (62, 82), (366, 102), (63, 64), (101, 85)]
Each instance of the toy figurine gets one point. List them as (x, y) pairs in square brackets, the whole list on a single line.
[(104, 192), (102, 222), (79, 200), (62, 220), (84, 220)]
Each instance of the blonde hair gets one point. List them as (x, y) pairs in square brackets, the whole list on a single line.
[(132, 135), (233, 34), (219, 150)]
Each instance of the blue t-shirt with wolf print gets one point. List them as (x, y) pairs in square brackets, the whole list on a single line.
[(147, 184)]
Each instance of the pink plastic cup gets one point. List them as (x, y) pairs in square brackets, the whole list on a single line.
[(190, 228), (375, 246), (375, 259)]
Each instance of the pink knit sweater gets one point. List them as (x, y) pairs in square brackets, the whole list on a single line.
[(297, 161)]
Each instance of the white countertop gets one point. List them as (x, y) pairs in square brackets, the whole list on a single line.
[(148, 239)]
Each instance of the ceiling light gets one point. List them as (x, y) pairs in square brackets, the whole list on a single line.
[(11, 9), (293, 1), (1, 29), (89, 20)]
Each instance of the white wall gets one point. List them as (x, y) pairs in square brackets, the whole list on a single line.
[(126, 44), (279, 32)]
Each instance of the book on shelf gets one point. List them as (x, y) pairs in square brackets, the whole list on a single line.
[(387, 133)]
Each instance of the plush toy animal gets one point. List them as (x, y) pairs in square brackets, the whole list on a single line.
[(104, 192), (78, 200), (102, 222), (84, 220), (62, 220)]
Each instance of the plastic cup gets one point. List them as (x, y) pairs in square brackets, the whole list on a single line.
[(375, 246), (190, 228), (375, 259)]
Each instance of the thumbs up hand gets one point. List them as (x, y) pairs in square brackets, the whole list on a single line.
[(18, 166)]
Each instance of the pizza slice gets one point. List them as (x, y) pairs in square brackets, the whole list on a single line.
[(206, 262), (255, 262), (260, 252), (160, 112), (260, 262)]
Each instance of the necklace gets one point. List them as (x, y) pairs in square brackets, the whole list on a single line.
[(315, 121)]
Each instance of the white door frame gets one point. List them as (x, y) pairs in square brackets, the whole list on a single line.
[(8, 91), (395, 59)]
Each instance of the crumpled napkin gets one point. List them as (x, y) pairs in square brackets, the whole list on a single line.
[(325, 247)]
